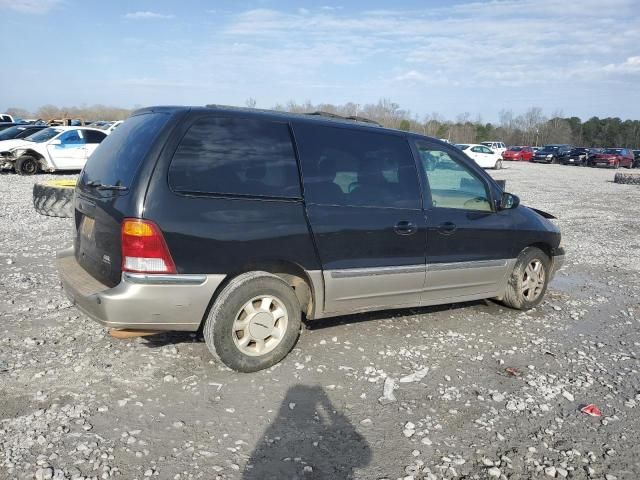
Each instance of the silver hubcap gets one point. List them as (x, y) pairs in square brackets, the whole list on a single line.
[(260, 325), (533, 280)]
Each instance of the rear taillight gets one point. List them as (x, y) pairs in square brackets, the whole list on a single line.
[(143, 248)]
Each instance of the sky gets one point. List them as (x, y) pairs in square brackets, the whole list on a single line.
[(575, 57)]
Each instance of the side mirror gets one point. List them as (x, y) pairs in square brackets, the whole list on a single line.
[(57, 141), (509, 201)]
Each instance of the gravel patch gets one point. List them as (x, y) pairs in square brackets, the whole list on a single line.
[(474, 390)]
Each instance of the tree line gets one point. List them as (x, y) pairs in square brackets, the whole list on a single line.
[(532, 127)]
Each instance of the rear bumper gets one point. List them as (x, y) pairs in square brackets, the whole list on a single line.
[(139, 301)]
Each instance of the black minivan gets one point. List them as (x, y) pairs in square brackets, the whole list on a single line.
[(241, 222)]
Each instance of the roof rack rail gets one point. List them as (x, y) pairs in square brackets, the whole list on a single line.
[(357, 118), (353, 118)]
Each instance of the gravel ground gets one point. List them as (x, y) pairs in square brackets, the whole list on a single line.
[(411, 394)]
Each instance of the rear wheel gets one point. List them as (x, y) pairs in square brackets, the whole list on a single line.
[(27, 165), (498, 165), (254, 323), (528, 282)]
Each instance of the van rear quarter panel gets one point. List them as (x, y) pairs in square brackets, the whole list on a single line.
[(220, 233), (225, 235)]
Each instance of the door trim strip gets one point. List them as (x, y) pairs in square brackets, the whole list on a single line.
[(438, 267), (374, 271)]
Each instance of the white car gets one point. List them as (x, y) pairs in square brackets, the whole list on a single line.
[(482, 155), (5, 117), (51, 149), (497, 147)]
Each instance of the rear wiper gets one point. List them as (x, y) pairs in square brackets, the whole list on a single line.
[(101, 186)]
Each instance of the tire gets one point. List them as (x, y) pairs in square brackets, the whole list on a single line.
[(54, 198), (516, 292), (628, 178), (221, 332), (498, 165), (27, 165)]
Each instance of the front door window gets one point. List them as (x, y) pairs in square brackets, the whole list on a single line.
[(451, 184)]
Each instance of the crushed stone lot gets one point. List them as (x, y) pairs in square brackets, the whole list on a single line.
[(422, 393)]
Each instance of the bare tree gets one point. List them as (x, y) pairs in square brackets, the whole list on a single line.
[(250, 102)]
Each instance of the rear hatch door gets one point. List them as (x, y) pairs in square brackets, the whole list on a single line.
[(109, 191)]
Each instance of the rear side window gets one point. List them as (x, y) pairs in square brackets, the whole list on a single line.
[(117, 158), (236, 156), (357, 168), (93, 137)]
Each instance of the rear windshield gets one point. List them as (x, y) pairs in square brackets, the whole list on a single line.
[(116, 160), (515, 149), (613, 151)]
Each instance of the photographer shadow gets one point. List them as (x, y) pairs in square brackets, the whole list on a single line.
[(308, 440)]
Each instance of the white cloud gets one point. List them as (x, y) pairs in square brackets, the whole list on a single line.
[(494, 42), (630, 65), (147, 15), (30, 6)]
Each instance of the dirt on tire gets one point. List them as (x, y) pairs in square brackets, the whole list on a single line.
[(54, 198)]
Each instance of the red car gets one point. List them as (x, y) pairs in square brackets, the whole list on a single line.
[(612, 158), (524, 154)]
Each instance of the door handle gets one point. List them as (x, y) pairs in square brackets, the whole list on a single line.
[(447, 228), (405, 228)]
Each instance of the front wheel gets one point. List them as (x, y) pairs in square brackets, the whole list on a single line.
[(26, 165), (254, 323), (528, 282)]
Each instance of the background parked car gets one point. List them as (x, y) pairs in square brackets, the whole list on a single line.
[(482, 155), (552, 153), (5, 125), (5, 117), (636, 159), (52, 149), (516, 153), (577, 156), (19, 131), (613, 158), (497, 147)]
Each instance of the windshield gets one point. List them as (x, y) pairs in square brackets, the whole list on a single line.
[(10, 133), (44, 135), (613, 151), (549, 148), (515, 149)]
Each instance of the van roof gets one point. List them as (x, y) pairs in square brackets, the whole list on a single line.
[(318, 116)]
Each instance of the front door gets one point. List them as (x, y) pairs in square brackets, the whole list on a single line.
[(363, 204), (469, 247), (70, 153)]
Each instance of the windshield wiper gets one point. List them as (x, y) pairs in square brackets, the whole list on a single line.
[(101, 186)]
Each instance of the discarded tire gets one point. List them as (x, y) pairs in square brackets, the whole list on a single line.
[(629, 178), (54, 198)]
